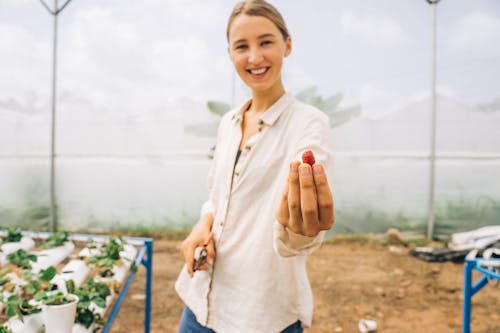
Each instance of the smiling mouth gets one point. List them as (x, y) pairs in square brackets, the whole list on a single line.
[(258, 71)]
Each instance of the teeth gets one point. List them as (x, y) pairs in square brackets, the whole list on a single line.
[(258, 71)]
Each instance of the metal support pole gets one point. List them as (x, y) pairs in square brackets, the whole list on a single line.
[(53, 208), (432, 158), (149, 284), (467, 297)]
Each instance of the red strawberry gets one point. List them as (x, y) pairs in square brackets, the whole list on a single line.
[(308, 157)]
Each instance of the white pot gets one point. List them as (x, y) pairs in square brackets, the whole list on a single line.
[(60, 318)]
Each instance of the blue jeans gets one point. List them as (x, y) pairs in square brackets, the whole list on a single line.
[(189, 324)]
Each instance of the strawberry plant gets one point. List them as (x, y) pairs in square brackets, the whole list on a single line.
[(22, 259), (91, 292), (56, 239), (12, 236), (16, 305), (108, 257), (39, 282), (5, 329), (52, 298)]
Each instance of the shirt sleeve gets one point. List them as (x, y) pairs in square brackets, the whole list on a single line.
[(315, 137), (289, 244)]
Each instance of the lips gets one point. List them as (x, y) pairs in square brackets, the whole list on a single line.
[(258, 72)]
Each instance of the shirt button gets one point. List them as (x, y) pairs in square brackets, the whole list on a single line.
[(236, 173), (248, 147), (221, 223)]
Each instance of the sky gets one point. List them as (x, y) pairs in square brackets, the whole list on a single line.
[(126, 58)]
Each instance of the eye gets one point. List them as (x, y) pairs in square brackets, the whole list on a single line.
[(266, 42), (240, 47)]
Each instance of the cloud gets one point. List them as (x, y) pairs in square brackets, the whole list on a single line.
[(477, 33), (371, 29), (139, 64)]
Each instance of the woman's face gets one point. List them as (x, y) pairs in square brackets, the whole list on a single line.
[(257, 48)]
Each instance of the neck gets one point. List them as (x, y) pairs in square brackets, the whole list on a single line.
[(263, 100)]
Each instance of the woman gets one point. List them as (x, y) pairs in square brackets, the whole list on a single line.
[(264, 214)]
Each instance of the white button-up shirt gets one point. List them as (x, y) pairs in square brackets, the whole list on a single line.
[(258, 283)]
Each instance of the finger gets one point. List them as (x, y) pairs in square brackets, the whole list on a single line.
[(210, 246), (308, 201), (208, 239), (282, 211), (326, 211), (295, 218), (188, 252)]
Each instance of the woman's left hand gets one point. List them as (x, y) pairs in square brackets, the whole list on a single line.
[(306, 206)]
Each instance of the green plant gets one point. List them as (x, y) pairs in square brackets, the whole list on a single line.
[(16, 305), (51, 298), (5, 329), (91, 292), (39, 282), (21, 258), (37, 287), (329, 105), (13, 235), (108, 257), (87, 317), (56, 239)]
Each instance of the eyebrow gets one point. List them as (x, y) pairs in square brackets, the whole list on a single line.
[(259, 37)]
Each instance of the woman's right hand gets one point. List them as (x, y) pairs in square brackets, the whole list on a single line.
[(200, 236)]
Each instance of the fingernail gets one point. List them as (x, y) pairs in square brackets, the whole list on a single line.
[(305, 171), (317, 169), (210, 260), (294, 167)]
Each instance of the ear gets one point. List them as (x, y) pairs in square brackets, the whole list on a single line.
[(288, 46)]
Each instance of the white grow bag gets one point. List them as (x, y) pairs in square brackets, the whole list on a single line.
[(52, 257), (26, 243)]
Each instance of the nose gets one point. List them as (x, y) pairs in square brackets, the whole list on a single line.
[(255, 57)]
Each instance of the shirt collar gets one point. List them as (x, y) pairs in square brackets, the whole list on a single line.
[(271, 115)]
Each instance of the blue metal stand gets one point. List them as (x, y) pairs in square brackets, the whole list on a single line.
[(144, 257), (471, 289)]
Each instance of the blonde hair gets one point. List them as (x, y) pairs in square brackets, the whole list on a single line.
[(258, 8)]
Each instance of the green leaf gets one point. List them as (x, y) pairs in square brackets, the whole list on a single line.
[(47, 274), (70, 286), (11, 310), (84, 317), (100, 302), (218, 108), (332, 103)]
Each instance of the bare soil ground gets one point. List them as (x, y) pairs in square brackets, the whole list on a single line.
[(353, 277)]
